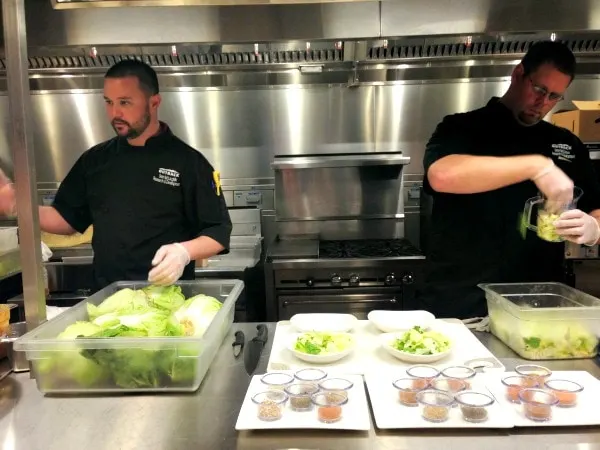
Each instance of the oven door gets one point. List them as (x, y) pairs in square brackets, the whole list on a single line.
[(358, 305)]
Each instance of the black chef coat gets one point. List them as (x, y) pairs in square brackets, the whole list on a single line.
[(475, 238), (140, 198)]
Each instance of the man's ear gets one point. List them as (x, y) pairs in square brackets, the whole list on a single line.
[(518, 73), (155, 101)]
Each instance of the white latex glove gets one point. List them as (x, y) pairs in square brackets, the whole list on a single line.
[(169, 263), (555, 185), (576, 226)]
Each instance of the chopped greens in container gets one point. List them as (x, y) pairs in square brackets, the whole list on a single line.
[(420, 342), (321, 343)]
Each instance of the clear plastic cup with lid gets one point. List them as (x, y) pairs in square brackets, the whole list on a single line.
[(537, 404), (270, 405), (539, 373), (463, 373), (339, 386), (310, 375), (474, 405), (276, 380), (565, 391), (408, 388), (435, 405), (423, 371)]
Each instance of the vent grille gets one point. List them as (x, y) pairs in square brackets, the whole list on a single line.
[(474, 49), (190, 59)]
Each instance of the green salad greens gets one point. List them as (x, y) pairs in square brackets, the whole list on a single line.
[(420, 342), (545, 226), (541, 339), (320, 343), (150, 312)]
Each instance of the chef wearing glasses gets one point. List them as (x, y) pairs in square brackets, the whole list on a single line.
[(480, 169)]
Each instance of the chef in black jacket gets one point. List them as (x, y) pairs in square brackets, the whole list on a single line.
[(155, 203), (481, 167)]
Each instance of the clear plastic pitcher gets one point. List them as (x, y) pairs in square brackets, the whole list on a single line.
[(548, 212)]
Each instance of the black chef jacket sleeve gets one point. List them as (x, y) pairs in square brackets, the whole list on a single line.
[(71, 198), (205, 209), (587, 179), (450, 137)]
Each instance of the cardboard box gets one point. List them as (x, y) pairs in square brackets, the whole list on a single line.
[(584, 121)]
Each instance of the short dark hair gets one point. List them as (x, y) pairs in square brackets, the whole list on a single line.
[(550, 52), (134, 68)]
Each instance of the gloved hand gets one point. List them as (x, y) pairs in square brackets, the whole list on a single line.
[(169, 263), (555, 185), (576, 226)]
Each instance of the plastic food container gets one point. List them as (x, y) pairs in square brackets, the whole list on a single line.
[(270, 405), (408, 389), (329, 406), (422, 371), (188, 358), (537, 404), (539, 373), (10, 263), (435, 405), (310, 375), (300, 395), (463, 373), (339, 386), (276, 380), (544, 320), (515, 384), (565, 391), (474, 405)]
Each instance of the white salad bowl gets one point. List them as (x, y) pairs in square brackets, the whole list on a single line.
[(387, 342), (322, 359), (391, 321), (338, 323)]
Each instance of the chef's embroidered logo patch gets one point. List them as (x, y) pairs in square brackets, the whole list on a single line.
[(563, 152), (167, 176)]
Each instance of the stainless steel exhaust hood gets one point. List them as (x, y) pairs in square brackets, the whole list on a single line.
[(74, 4)]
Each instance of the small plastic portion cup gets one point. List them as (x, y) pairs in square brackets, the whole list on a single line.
[(537, 404), (539, 373), (276, 380), (423, 371), (329, 406), (310, 375), (270, 405), (565, 391), (435, 405), (474, 405), (300, 395), (408, 389), (515, 384), (339, 386), (463, 373)]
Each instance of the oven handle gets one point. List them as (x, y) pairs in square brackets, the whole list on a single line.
[(381, 300)]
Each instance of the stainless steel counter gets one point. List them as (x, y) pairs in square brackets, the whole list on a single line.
[(206, 419)]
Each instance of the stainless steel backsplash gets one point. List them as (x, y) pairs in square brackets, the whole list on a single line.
[(240, 132)]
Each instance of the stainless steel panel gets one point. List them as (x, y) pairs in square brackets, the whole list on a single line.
[(369, 192), (21, 142), (345, 229), (171, 25), (74, 4), (340, 161), (440, 17), (358, 305), (407, 114)]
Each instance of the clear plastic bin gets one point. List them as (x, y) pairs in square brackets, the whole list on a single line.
[(157, 364), (542, 321)]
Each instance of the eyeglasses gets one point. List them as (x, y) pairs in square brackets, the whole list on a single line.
[(541, 91)]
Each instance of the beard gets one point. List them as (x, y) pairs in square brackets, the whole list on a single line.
[(132, 131)]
